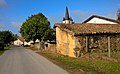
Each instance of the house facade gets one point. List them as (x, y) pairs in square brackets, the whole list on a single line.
[(101, 20), (21, 42)]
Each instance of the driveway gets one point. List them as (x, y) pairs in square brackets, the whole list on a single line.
[(19, 60)]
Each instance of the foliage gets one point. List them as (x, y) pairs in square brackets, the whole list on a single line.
[(7, 37), (36, 27), (1, 52)]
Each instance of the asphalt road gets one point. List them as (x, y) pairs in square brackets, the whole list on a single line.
[(19, 60)]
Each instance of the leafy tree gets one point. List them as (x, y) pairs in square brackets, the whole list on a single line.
[(7, 37), (52, 35), (36, 27)]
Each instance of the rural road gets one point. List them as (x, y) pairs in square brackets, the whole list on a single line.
[(19, 60)]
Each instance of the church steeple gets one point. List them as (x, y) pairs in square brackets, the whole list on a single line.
[(67, 19), (67, 14)]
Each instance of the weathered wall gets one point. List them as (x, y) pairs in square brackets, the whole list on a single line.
[(115, 42), (100, 43), (50, 47), (65, 43)]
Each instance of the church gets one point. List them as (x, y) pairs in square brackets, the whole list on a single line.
[(67, 19), (95, 34)]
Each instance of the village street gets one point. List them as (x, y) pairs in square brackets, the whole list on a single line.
[(19, 60)]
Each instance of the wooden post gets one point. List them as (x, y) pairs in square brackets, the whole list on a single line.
[(86, 44), (108, 46)]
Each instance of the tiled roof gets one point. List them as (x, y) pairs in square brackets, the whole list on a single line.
[(53, 29), (101, 17), (79, 29), (21, 39)]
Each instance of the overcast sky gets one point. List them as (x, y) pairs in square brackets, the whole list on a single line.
[(14, 12)]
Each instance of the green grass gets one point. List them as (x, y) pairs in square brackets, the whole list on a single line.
[(1, 52), (5, 48), (84, 65)]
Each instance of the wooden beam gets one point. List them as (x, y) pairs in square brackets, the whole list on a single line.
[(108, 46), (86, 44)]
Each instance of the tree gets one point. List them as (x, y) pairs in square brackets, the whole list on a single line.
[(36, 27), (7, 37), (118, 14)]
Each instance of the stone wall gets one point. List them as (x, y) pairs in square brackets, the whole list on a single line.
[(72, 46), (65, 43), (50, 47)]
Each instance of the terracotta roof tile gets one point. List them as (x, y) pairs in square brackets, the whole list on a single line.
[(21, 39), (85, 28)]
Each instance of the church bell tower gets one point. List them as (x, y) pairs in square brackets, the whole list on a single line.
[(67, 19)]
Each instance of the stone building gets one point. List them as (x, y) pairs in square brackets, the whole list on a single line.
[(97, 33), (74, 39)]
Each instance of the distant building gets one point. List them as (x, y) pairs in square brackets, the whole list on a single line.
[(37, 41), (21, 42), (101, 20), (67, 19)]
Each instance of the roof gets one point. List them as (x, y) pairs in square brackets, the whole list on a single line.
[(89, 28), (37, 41), (21, 39), (101, 17), (53, 29), (67, 15)]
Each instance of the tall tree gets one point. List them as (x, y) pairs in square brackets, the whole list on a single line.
[(35, 27), (7, 37), (118, 14)]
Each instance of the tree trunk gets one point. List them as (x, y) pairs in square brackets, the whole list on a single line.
[(108, 46)]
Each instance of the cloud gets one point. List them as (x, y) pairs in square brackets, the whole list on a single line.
[(111, 15), (16, 24), (3, 3), (79, 16), (55, 19), (1, 27), (78, 12)]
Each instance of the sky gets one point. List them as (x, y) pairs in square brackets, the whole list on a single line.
[(14, 12)]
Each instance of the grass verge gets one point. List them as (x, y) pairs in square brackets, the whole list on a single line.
[(5, 48), (83, 65), (1, 52)]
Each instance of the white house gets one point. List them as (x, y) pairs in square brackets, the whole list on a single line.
[(37, 41), (21, 41), (101, 20)]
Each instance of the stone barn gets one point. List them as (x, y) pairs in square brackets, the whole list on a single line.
[(76, 39)]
